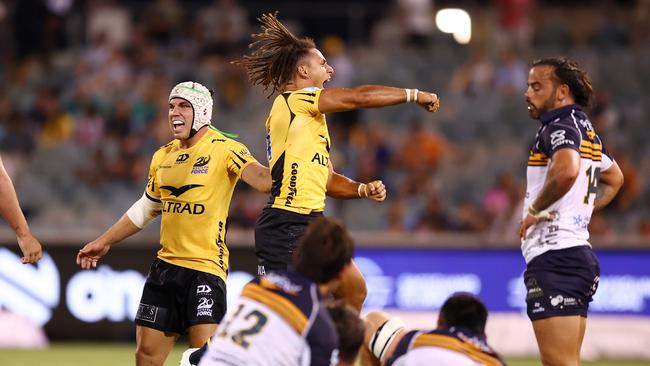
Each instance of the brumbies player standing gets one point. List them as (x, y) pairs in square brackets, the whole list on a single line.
[(570, 174)]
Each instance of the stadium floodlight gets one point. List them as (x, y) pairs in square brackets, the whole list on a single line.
[(457, 22)]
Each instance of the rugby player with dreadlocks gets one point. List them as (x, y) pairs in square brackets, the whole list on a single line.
[(298, 142)]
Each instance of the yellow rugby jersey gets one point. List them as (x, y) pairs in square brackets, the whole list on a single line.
[(195, 186), (298, 151)]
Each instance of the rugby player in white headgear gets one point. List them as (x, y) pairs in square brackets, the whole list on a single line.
[(185, 124)]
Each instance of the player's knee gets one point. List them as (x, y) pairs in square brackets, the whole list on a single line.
[(145, 354), (559, 359)]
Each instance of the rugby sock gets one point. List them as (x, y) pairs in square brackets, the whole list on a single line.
[(195, 357)]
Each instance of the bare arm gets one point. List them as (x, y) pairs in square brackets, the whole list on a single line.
[(11, 212), (372, 96), (562, 173), (609, 184), (96, 249), (257, 176), (341, 187)]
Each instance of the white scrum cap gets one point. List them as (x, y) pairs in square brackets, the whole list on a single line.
[(199, 97)]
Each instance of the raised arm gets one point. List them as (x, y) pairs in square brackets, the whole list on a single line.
[(609, 184), (11, 212), (257, 176), (373, 96)]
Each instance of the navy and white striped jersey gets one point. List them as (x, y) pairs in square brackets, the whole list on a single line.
[(562, 128), (444, 347), (278, 320)]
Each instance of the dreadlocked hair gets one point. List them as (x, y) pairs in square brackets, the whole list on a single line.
[(567, 71), (275, 55)]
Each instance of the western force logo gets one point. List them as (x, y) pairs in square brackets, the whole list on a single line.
[(205, 307), (201, 165), (202, 161), (178, 191)]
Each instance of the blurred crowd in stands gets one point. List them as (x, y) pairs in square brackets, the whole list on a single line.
[(84, 87)]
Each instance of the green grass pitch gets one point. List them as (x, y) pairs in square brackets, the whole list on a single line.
[(117, 354)]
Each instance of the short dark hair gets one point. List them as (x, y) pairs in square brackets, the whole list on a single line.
[(350, 329), (465, 310), (323, 251), (568, 71)]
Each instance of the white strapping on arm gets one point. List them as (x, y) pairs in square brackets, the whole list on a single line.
[(384, 336), (143, 211)]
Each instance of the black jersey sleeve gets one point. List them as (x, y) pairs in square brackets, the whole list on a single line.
[(323, 340)]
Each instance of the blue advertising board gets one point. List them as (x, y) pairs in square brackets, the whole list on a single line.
[(421, 279)]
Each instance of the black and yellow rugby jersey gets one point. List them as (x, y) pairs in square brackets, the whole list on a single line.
[(298, 151), (195, 186)]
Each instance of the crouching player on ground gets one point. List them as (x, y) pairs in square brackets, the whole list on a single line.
[(459, 339), (280, 319)]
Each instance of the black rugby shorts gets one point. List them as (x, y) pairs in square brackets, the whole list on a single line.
[(277, 233), (561, 282), (175, 298)]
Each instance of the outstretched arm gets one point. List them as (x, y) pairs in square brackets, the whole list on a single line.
[(10, 210), (341, 187), (373, 96), (92, 252), (609, 184), (138, 216), (257, 176)]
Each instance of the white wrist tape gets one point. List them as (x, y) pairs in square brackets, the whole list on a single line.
[(360, 188), (143, 211), (544, 215), (384, 336), (411, 95)]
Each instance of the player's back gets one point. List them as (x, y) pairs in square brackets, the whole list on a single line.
[(278, 320), (452, 347)]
